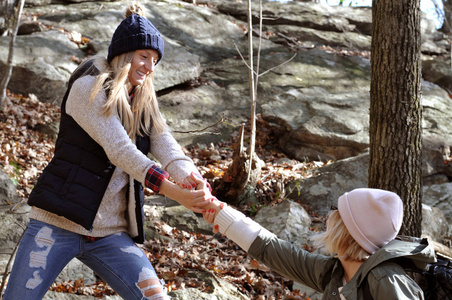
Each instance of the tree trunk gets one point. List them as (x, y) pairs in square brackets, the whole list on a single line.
[(395, 109)]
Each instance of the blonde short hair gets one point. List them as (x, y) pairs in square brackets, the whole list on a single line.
[(337, 241)]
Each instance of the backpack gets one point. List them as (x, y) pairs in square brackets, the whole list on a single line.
[(435, 281)]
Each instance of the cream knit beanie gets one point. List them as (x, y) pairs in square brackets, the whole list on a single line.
[(372, 216)]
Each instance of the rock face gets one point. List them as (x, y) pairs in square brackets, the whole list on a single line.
[(316, 101)]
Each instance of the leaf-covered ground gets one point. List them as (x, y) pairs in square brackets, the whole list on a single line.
[(24, 152)]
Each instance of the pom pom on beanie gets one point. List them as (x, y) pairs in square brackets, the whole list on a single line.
[(373, 217), (134, 33)]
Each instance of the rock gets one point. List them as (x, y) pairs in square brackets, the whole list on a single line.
[(97, 22), (8, 192), (305, 111), (75, 270), (310, 15), (13, 222), (31, 3), (197, 109), (28, 28), (440, 196), (434, 223), (13, 216), (189, 67), (11, 229), (323, 188), (42, 64), (202, 76), (288, 220), (178, 217), (437, 72)]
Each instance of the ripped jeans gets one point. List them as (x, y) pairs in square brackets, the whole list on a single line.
[(45, 250)]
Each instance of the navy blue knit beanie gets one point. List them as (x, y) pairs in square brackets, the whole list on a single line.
[(134, 33)]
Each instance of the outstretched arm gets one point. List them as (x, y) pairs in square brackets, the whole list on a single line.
[(281, 256)]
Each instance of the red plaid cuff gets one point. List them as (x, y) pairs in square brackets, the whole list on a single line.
[(155, 177)]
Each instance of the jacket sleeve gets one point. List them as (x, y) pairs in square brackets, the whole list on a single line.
[(279, 255), (389, 281), (297, 264), (106, 131)]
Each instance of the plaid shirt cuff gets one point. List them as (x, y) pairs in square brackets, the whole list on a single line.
[(155, 177)]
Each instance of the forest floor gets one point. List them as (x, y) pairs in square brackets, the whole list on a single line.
[(24, 152)]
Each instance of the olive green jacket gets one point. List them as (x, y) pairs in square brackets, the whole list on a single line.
[(386, 279)]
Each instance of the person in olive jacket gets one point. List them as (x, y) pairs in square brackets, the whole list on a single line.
[(360, 243), (88, 202)]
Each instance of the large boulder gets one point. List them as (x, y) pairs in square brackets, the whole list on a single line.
[(42, 64), (440, 196), (288, 220)]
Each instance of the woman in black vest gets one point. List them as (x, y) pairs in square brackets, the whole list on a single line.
[(88, 203)]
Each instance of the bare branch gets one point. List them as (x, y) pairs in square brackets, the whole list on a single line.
[(202, 131), (243, 59), (287, 38), (9, 63), (278, 65)]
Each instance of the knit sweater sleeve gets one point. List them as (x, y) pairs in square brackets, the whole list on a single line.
[(106, 131), (169, 153), (237, 227)]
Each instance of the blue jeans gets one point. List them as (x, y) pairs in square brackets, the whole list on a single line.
[(45, 250)]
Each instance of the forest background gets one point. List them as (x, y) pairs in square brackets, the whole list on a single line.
[(27, 124)]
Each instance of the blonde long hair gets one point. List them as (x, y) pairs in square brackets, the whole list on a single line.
[(337, 240), (140, 114)]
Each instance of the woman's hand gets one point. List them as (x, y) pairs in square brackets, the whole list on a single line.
[(191, 182), (212, 209), (195, 200), (187, 183), (209, 216)]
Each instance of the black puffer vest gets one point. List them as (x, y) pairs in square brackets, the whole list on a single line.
[(74, 182)]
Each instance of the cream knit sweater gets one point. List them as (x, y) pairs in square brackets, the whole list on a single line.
[(112, 216)]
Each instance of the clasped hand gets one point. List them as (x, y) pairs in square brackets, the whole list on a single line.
[(202, 200)]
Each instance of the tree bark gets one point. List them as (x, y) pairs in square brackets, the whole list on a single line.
[(395, 109)]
